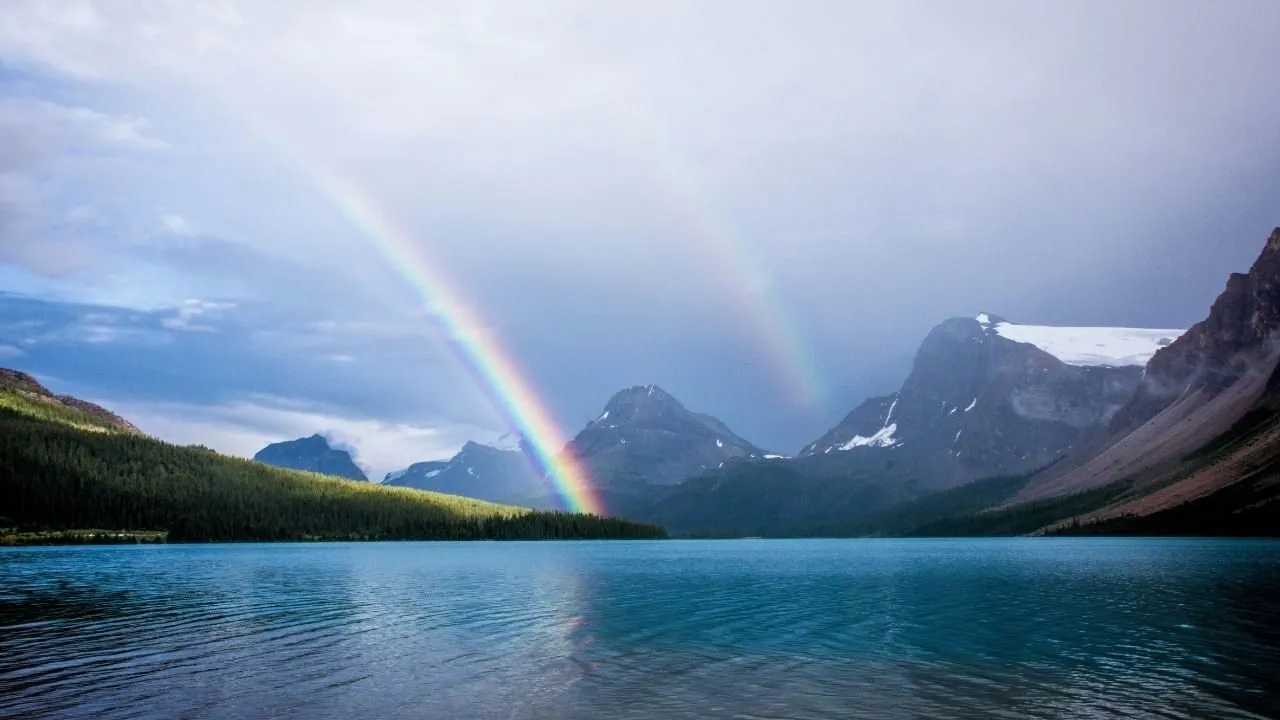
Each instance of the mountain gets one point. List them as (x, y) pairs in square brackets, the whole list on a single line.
[(17, 387), (416, 475), (1195, 450), (1204, 417), (480, 471), (313, 454), (987, 397), (646, 438), (69, 467)]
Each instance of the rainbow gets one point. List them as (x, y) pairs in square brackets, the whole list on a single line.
[(696, 210), (477, 348), (790, 355)]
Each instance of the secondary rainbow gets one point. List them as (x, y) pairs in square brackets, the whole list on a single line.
[(480, 352), (705, 223), (776, 329)]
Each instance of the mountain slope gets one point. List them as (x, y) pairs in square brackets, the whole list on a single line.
[(482, 472), (63, 473), (1195, 451), (311, 454), (1202, 418), (20, 391), (645, 438)]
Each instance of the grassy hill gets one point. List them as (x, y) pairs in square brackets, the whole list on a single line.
[(67, 465)]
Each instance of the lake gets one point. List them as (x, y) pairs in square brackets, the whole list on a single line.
[(1014, 628)]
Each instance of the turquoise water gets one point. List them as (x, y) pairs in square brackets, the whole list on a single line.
[(1045, 628)]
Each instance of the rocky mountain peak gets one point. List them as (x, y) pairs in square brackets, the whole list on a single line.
[(646, 436), (1238, 338), (641, 403), (986, 396), (1273, 242)]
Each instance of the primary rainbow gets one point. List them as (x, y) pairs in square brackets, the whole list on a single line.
[(479, 351)]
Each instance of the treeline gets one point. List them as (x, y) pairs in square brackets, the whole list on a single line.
[(1249, 508), (59, 476)]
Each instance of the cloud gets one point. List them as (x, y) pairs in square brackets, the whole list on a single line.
[(42, 139), (638, 191), (40, 130), (185, 315), (168, 354), (176, 224), (246, 425)]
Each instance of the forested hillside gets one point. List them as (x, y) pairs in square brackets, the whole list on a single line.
[(63, 469)]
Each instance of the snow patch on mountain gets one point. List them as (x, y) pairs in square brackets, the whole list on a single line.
[(883, 438), (1089, 346)]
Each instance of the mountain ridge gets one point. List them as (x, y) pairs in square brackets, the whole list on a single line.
[(62, 475), (482, 471), (25, 386), (1193, 391)]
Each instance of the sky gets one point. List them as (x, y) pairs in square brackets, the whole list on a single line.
[(242, 222)]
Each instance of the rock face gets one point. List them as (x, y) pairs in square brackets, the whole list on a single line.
[(1194, 390), (1235, 340), (313, 454), (483, 472), (986, 397), (645, 437)]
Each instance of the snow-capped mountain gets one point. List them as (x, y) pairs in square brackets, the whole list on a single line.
[(646, 437), (985, 397), (313, 454), (989, 397), (498, 472)]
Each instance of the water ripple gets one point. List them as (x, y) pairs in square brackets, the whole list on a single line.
[(1043, 628)]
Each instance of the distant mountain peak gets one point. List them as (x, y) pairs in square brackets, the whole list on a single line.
[(641, 394), (482, 471), (986, 396), (313, 453), (646, 436)]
